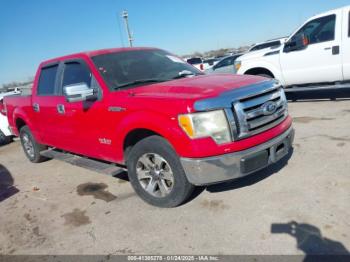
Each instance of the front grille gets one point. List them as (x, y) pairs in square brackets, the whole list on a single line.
[(260, 112)]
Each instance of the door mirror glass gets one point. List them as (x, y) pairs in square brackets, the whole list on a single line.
[(79, 92)]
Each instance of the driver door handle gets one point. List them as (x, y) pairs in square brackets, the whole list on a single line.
[(60, 109), (36, 107)]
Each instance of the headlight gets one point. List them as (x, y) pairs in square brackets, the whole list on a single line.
[(238, 65), (207, 124)]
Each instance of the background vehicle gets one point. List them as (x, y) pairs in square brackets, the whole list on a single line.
[(225, 65), (172, 126), (5, 134), (209, 62), (317, 53), (196, 62), (267, 44)]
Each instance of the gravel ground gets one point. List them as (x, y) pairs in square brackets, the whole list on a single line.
[(300, 206)]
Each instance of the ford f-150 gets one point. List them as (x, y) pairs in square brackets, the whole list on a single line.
[(172, 126)]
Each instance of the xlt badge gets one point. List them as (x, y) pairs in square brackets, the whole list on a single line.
[(105, 141)]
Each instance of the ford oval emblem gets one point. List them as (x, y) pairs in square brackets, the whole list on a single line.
[(269, 108)]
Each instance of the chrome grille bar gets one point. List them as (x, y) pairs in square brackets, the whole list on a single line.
[(253, 113)]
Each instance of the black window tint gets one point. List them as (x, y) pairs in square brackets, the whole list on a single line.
[(47, 80), (319, 30), (75, 73), (122, 68), (194, 61)]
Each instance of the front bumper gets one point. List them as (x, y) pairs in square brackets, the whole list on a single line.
[(221, 168)]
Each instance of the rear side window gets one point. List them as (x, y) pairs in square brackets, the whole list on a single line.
[(47, 80), (76, 73)]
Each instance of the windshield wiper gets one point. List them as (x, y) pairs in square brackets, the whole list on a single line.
[(141, 81), (184, 73)]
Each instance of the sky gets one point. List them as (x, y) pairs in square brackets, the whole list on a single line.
[(37, 30)]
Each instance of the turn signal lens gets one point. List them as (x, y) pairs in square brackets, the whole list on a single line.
[(186, 124)]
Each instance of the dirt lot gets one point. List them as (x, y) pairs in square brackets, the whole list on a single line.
[(300, 206)]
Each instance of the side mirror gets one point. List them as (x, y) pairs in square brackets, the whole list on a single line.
[(299, 42), (79, 92)]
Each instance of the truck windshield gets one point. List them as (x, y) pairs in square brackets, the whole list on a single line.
[(129, 69)]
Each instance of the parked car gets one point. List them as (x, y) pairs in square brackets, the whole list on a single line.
[(5, 134), (210, 62), (172, 126), (225, 65), (196, 62), (316, 53), (268, 44)]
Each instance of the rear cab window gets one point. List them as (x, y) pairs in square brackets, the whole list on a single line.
[(47, 80)]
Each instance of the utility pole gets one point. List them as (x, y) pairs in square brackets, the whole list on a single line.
[(125, 16)]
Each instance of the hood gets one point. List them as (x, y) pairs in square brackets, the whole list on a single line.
[(197, 87), (258, 53)]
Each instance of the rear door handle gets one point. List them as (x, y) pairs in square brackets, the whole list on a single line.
[(60, 109), (36, 107), (327, 48)]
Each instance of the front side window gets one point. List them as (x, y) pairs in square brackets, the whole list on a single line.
[(318, 30), (76, 73), (47, 80), (139, 67)]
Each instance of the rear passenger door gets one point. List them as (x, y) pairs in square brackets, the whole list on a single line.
[(44, 105)]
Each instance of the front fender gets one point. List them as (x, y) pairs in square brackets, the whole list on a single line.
[(164, 125), (274, 69)]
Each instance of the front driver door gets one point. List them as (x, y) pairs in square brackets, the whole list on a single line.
[(87, 121), (320, 61)]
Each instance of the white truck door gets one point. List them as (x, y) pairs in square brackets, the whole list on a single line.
[(345, 47), (320, 61)]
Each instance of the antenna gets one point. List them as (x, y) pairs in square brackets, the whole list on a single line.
[(125, 16)]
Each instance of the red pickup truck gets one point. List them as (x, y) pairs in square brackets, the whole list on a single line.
[(172, 126)]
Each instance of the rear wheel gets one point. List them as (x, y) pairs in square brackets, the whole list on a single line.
[(156, 174), (31, 148)]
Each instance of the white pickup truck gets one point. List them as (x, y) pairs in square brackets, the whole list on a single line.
[(318, 52), (5, 134)]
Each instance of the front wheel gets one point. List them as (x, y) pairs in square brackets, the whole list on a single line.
[(31, 148), (156, 174)]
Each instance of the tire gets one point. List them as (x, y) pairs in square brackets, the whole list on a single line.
[(265, 75), (167, 188), (4, 139), (30, 147)]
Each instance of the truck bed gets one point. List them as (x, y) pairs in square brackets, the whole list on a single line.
[(17, 103)]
